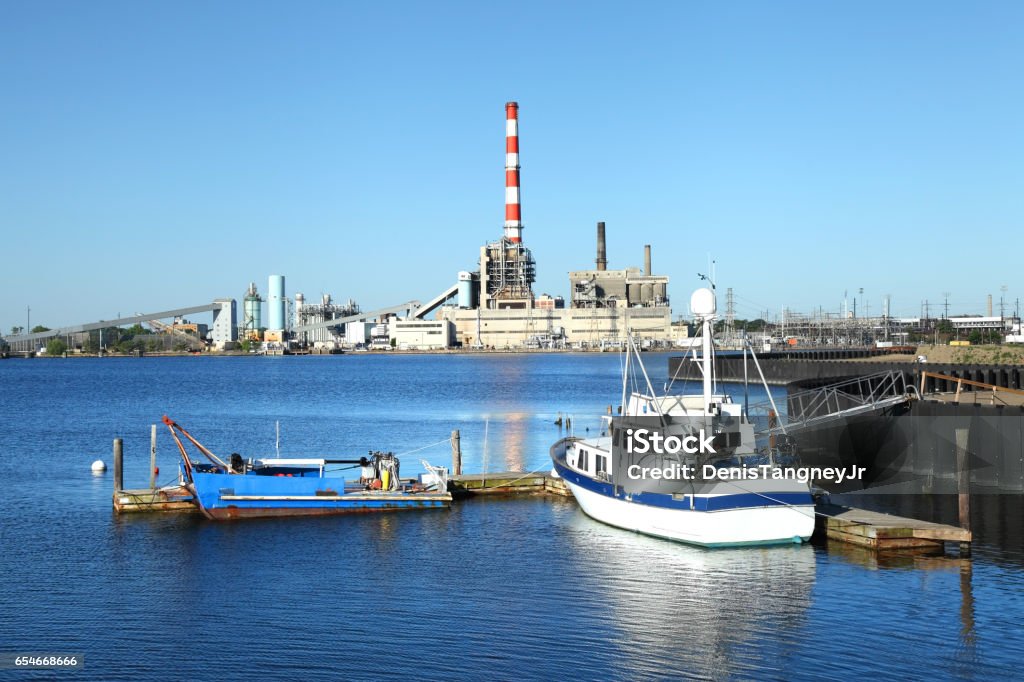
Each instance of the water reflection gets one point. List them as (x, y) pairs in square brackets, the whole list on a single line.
[(718, 613)]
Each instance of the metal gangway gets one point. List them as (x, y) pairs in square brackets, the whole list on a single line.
[(835, 402)]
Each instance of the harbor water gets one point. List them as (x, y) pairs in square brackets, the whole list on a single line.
[(497, 588)]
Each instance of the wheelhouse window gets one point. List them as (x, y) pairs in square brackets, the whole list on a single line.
[(583, 461)]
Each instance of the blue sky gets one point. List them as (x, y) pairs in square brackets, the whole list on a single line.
[(157, 155)]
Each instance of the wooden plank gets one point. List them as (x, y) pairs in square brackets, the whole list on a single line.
[(885, 531), (146, 500)]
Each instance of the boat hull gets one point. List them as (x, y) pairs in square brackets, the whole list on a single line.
[(232, 496), (727, 528), (714, 520)]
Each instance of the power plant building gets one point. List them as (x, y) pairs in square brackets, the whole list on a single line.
[(325, 310), (496, 308)]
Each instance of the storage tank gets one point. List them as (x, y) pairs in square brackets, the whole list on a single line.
[(300, 301), (275, 303), (661, 292), (252, 309), (465, 299), (634, 294)]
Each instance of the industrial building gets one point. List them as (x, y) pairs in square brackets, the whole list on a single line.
[(224, 330), (421, 334), (495, 307), (308, 314)]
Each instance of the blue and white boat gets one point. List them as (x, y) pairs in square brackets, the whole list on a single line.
[(736, 494), (241, 488)]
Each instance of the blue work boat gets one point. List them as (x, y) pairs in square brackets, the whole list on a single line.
[(241, 488)]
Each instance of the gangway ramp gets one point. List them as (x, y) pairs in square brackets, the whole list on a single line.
[(837, 401)]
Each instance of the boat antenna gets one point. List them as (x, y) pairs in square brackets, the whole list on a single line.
[(709, 278), (277, 442)]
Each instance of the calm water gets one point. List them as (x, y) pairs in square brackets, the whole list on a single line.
[(513, 588)]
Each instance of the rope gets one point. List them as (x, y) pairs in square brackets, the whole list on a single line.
[(432, 445), (793, 506)]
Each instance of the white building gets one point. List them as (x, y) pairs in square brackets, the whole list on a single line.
[(225, 328), (422, 334)]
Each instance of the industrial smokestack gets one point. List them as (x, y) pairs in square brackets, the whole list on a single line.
[(990, 305), (647, 260), (513, 219), (602, 252)]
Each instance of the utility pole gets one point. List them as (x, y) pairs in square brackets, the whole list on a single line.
[(945, 315), (730, 314)]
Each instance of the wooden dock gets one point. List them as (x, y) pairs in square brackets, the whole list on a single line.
[(175, 499), (509, 482), (884, 531)]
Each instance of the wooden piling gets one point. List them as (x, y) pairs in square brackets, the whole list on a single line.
[(152, 458), (118, 465), (456, 453), (963, 486)]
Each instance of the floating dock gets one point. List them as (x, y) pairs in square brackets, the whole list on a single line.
[(508, 482), (884, 531), (175, 499)]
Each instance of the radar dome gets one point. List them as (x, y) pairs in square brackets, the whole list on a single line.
[(702, 302)]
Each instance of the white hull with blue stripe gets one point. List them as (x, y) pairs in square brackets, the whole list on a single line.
[(730, 517)]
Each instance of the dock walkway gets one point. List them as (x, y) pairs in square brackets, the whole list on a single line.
[(884, 531)]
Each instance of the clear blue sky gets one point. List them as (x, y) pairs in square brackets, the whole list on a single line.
[(155, 155)]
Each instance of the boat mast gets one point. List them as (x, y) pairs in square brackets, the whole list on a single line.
[(706, 360), (702, 304), (625, 371)]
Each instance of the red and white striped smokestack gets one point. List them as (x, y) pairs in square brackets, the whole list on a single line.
[(513, 218)]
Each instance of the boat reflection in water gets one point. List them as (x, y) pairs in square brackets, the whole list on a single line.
[(700, 613)]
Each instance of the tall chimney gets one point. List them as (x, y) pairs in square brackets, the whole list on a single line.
[(513, 219), (602, 252), (647, 260), (990, 305)]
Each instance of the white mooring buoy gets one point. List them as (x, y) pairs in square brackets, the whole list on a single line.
[(98, 466)]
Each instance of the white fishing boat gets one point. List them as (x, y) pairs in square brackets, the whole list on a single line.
[(687, 467)]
